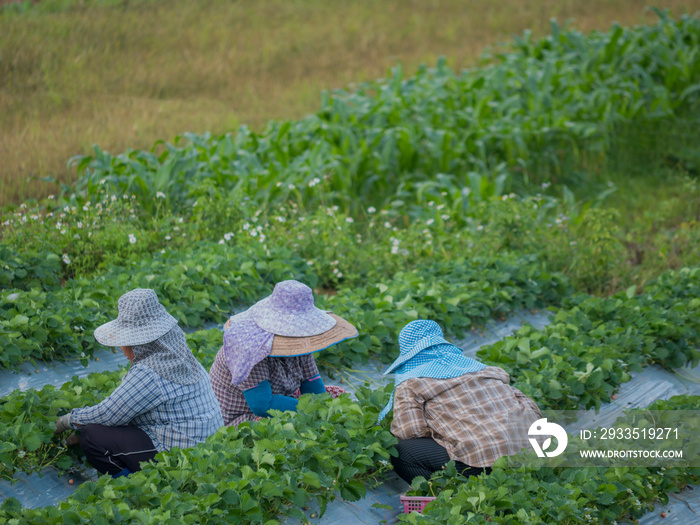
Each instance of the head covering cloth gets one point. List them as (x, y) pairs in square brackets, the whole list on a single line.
[(426, 353)]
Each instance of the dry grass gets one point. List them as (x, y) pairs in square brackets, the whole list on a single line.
[(125, 76)]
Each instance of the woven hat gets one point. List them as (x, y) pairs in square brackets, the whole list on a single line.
[(290, 312), (292, 346), (141, 320)]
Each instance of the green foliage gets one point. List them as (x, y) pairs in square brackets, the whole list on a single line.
[(581, 358), (543, 108), (27, 439), (250, 474)]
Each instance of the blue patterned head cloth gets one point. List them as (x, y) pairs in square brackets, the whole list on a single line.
[(426, 353)]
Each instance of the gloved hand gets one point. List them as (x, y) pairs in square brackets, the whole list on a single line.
[(63, 423)]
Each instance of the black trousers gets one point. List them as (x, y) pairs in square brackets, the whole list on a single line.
[(112, 449), (422, 457)]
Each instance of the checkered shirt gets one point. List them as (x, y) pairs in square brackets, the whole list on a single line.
[(284, 373), (172, 415), (478, 417)]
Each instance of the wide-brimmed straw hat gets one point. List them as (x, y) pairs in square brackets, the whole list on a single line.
[(141, 320), (299, 328)]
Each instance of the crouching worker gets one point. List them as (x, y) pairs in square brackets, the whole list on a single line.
[(266, 360), (450, 407), (164, 401)]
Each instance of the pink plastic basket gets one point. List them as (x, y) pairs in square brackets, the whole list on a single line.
[(415, 503)]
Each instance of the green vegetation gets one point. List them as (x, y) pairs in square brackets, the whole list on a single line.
[(125, 73), (529, 183)]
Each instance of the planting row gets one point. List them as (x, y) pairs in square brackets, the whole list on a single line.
[(250, 474), (205, 283), (259, 471), (578, 361), (582, 357), (547, 105)]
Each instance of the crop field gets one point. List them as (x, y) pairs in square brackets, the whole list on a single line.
[(559, 175)]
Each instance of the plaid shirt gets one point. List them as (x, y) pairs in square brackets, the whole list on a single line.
[(478, 417), (284, 373), (172, 415)]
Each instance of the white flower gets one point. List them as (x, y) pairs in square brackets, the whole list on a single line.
[(125, 196), (335, 270), (371, 209), (63, 232), (132, 238), (221, 241), (168, 237), (280, 219), (479, 228), (431, 203), (314, 181), (86, 207), (76, 236), (246, 226), (113, 198), (429, 221), (545, 185), (89, 234), (102, 181), (349, 220), (441, 206), (279, 184), (51, 197), (387, 224), (226, 281), (444, 217), (65, 258), (163, 250), (340, 274), (310, 263), (176, 228), (291, 186), (254, 233), (262, 237), (228, 236), (160, 195), (180, 219), (394, 250)]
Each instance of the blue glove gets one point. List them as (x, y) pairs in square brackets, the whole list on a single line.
[(313, 385), (260, 400)]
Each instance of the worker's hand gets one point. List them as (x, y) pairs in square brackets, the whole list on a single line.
[(62, 423), (73, 439)]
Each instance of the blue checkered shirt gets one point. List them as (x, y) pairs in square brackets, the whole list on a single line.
[(172, 415)]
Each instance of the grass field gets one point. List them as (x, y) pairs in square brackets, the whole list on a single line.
[(124, 74)]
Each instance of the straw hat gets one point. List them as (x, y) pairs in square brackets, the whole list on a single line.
[(299, 328), (141, 320)]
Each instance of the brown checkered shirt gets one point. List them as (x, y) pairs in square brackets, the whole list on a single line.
[(478, 417)]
